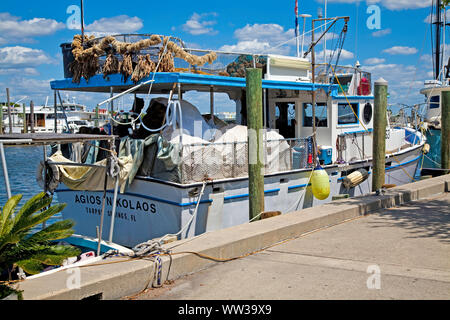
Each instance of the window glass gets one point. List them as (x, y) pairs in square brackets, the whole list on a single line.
[(346, 113), (434, 102), (321, 115)]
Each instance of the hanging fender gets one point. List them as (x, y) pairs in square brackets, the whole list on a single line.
[(53, 182)]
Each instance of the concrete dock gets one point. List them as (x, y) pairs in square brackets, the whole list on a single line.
[(409, 246), (336, 251)]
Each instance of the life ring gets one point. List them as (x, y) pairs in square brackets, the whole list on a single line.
[(53, 182)]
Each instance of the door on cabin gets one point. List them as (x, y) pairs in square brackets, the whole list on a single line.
[(285, 121)]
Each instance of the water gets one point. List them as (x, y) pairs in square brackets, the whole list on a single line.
[(22, 164)]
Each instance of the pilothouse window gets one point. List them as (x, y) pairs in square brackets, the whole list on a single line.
[(321, 115), (347, 113)]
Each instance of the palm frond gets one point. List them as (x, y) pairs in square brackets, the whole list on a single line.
[(35, 204), (34, 220), (7, 211)]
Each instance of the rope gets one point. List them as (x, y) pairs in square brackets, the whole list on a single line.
[(346, 98), (148, 93), (402, 167)]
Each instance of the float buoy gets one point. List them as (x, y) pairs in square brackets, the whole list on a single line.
[(320, 182), (355, 178)]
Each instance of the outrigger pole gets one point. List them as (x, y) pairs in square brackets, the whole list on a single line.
[(313, 64)]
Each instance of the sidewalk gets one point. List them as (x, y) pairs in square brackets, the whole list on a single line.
[(409, 245)]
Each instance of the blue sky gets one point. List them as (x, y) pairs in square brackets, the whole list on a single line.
[(31, 32)]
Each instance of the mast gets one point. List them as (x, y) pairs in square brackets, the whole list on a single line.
[(82, 22), (437, 54)]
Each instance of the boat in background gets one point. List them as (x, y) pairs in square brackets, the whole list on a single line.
[(69, 118), (433, 90)]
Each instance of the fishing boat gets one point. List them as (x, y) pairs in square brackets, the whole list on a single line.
[(184, 173), (433, 90)]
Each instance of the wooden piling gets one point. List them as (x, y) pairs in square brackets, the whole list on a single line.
[(32, 117), (97, 115), (24, 115), (55, 111), (445, 134), (8, 108), (255, 140), (379, 135)]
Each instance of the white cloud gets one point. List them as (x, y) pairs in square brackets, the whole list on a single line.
[(15, 71), (196, 25), (345, 55), (114, 25), (399, 50), (382, 33), (262, 38), (14, 30), (372, 61), (272, 33), (22, 57), (254, 46)]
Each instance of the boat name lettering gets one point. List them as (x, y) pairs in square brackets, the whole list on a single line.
[(121, 203)]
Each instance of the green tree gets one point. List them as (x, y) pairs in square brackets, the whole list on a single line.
[(20, 247)]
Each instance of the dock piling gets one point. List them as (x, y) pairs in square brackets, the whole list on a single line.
[(32, 117), (25, 124), (255, 140), (8, 108), (379, 135), (445, 134)]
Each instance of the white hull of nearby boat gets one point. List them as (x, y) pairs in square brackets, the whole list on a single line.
[(151, 208)]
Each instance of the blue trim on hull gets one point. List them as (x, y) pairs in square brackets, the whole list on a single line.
[(188, 204)]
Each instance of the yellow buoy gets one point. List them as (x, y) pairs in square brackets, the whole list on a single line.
[(320, 184)]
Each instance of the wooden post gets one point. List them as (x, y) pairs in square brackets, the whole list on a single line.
[(32, 117), (97, 114), (9, 111), (445, 134), (379, 135), (25, 124), (255, 123), (211, 102), (56, 112)]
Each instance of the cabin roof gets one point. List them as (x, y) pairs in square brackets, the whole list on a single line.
[(48, 138), (189, 81)]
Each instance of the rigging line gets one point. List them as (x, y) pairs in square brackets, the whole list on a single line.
[(304, 34)]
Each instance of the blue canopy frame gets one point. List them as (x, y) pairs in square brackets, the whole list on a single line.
[(164, 80)]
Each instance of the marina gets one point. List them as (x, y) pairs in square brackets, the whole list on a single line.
[(157, 175)]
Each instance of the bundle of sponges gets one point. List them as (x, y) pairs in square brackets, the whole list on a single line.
[(86, 63)]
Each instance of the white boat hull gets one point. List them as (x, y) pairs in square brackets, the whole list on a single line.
[(151, 209)]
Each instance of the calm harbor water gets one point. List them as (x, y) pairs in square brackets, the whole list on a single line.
[(22, 164)]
